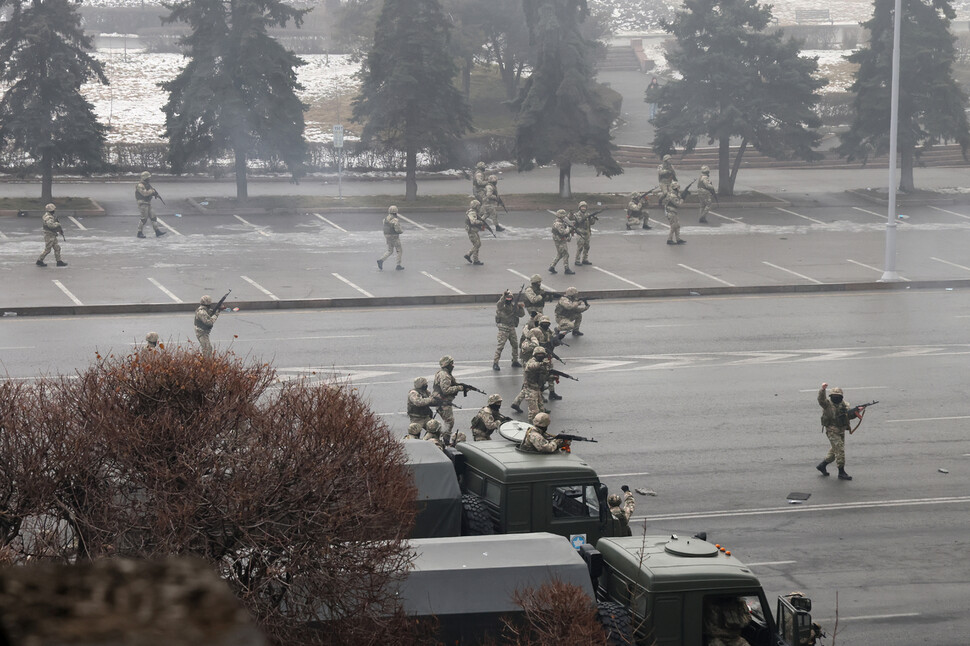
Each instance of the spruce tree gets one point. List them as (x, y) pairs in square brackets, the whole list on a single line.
[(562, 115), (931, 104), (238, 91), (408, 99), (737, 80), (44, 60)]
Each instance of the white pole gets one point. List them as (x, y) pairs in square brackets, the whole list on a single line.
[(889, 274)]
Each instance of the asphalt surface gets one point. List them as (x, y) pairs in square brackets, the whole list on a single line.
[(709, 401)]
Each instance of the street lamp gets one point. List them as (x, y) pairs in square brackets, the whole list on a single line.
[(889, 274)]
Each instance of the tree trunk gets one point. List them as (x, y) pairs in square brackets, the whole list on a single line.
[(410, 172), (565, 190), (906, 160), (737, 163), (724, 184), (46, 176), (466, 76), (242, 189)]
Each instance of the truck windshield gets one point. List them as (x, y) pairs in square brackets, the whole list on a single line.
[(575, 501)]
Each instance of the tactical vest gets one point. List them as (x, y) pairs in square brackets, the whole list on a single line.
[(418, 411), (389, 227)]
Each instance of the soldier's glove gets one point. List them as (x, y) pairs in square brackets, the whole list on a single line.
[(625, 489)]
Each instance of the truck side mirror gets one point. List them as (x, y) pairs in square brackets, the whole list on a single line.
[(601, 494), (795, 620)]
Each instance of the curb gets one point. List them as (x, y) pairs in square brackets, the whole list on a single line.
[(465, 299)]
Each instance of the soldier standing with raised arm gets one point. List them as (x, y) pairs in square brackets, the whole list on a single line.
[(392, 235), (144, 194), (835, 422), (507, 314)]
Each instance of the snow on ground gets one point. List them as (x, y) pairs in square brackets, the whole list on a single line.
[(833, 66)]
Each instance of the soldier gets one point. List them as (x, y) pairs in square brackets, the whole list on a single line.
[(420, 401), (534, 379), (636, 212), (671, 201), (144, 193), (151, 340), (473, 225), (51, 229), (835, 422), (392, 234), (488, 419), (666, 174), (479, 181), (205, 318), (569, 311), (534, 296), (543, 335), (507, 314), (623, 510), (583, 226), (445, 389), (537, 439), (490, 201), (561, 234), (433, 433), (705, 192)]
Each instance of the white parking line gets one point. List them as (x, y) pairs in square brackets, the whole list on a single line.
[(407, 219), (793, 273), (947, 262), (926, 419), (881, 216), (2, 236), (862, 264), (724, 217), (258, 229), (698, 271), (624, 475), (362, 291), (618, 277), (71, 296), (165, 290), (260, 287), (828, 620), (441, 282), (799, 215), (78, 224), (763, 563), (335, 226), (167, 226), (959, 215)]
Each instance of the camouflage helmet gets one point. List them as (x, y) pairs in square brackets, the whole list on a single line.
[(539, 351), (206, 300), (50, 207), (474, 204), (480, 165), (561, 213), (666, 158), (583, 203), (392, 209), (145, 175), (835, 391), (544, 319), (494, 399), (542, 420), (446, 360), (705, 170), (492, 179), (613, 500), (152, 338), (414, 429), (571, 291), (420, 383), (536, 278), (675, 185), (432, 426), (507, 295)]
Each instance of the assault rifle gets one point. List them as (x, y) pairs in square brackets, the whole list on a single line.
[(221, 302), (574, 438), (157, 195), (856, 412), (559, 373), (498, 199), (501, 418), (587, 299), (485, 225), (518, 297), (466, 387), (552, 353), (684, 193), (713, 193)]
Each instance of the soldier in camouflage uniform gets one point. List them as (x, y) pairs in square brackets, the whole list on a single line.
[(583, 226), (534, 379), (507, 314), (622, 510), (671, 201), (433, 434), (488, 419), (151, 340), (392, 235), (144, 193), (534, 296), (205, 318), (705, 192), (445, 389), (543, 335), (835, 422), (51, 229), (666, 174), (474, 226), (479, 181), (569, 311), (490, 203), (562, 232), (537, 438), (636, 212), (420, 401)]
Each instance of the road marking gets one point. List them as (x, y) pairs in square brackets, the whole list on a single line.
[(763, 563), (624, 475), (344, 280), (815, 390), (862, 264), (947, 262), (926, 419), (735, 220), (799, 215), (881, 216), (75, 221), (698, 271), (529, 279), (793, 273), (71, 296), (618, 277), (335, 226), (959, 215), (258, 229), (165, 291), (828, 620), (2, 236), (167, 226), (260, 287), (407, 219), (441, 282)]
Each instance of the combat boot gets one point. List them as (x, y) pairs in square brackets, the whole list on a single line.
[(499, 228), (380, 265), (577, 262), (555, 396), (478, 262), (468, 257), (160, 233), (552, 270), (516, 408), (61, 263), (41, 263), (516, 364), (140, 235), (703, 220), (843, 475), (399, 267), (495, 366), (647, 226), (821, 468), (586, 262), (569, 271), (577, 333)]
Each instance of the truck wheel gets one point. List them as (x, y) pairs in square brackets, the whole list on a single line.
[(475, 520), (617, 622)]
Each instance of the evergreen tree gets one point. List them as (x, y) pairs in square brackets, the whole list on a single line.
[(931, 104), (408, 99), (737, 80), (562, 114), (44, 61), (238, 91)]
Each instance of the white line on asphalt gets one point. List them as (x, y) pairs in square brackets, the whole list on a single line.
[(335, 226), (407, 219), (167, 226), (344, 280), (814, 390), (793, 273), (799, 215), (624, 475), (258, 229), (75, 221), (2, 236), (862, 264), (260, 287), (165, 290), (698, 271), (881, 216), (618, 277), (947, 262), (959, 215), (441, 282), (529, 279), (926, 419), (663, 224), (828, 620), (71, 296), (763, 563), (735, 220)]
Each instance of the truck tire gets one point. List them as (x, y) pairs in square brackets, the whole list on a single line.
[(475, 520), (617, 622)]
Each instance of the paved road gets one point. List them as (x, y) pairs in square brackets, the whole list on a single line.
[(708, 401)]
